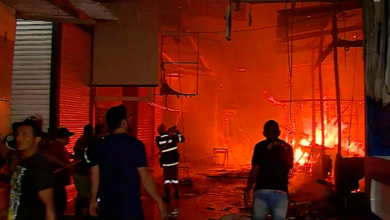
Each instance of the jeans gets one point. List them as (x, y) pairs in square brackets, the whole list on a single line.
[(269, 200)]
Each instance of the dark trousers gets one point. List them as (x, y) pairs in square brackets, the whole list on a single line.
[(82, 203), (171, 173), (60, 201)]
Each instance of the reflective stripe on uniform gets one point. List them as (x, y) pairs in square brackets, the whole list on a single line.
[(164, 142), (169, 149), (165, 135), (175, 181), (85, 155), (170, 164), (180, 138), (167, 182)]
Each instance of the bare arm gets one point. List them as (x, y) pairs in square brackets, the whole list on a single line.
[(94, 182), (148, 183), (252, 178), (46, 196)]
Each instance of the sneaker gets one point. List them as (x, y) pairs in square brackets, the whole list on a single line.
[(175, 212)]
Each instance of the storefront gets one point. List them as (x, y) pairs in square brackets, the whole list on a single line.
[(377, 81)]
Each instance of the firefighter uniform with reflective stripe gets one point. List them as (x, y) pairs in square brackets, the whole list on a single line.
[(169, 159)]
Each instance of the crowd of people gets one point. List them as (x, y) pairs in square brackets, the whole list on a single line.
[(109, 166), (107, 171)]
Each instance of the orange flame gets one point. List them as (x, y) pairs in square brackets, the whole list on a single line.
[(354, 147)]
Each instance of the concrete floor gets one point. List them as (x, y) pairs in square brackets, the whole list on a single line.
[(212, 198)]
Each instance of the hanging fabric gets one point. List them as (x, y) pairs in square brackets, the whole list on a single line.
[(228, 19), (386, 89), (377, 49), (371, 24), (380, 74), (250, 16)]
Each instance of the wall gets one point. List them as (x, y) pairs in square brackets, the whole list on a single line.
[(133, 39), (7, 41)]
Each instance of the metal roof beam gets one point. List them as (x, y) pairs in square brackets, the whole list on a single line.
[(320, 33), (67, 6), (348, 43), (39, 17)]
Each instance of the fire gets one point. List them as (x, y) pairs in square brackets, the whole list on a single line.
[(330, 133), (300, 157), (352, 147)]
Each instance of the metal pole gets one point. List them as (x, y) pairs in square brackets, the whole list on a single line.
[(313, 103), (321, 98), (337, 81), (357, 119)]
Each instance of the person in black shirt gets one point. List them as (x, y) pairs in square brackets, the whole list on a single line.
[(80, 170), (32, 183), (271, 162), (170, 158), (118, 167)]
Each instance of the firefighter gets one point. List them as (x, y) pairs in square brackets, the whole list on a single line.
[(169, 160)]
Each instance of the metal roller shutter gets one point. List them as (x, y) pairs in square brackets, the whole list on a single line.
[(145, 123), (74, 91), (158, 111), (31, 70), (158, 116)]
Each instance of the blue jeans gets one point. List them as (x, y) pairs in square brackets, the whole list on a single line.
[(265, 201)]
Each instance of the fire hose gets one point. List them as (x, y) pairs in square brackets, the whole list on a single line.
[(67, 166), (172, 131), (56, 171)]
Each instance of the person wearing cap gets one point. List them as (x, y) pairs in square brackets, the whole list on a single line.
[(57, 150), (8, 156), (8, 150), (9, 144)]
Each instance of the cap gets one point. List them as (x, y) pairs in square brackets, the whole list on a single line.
[(64, 132), (10, 142)]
